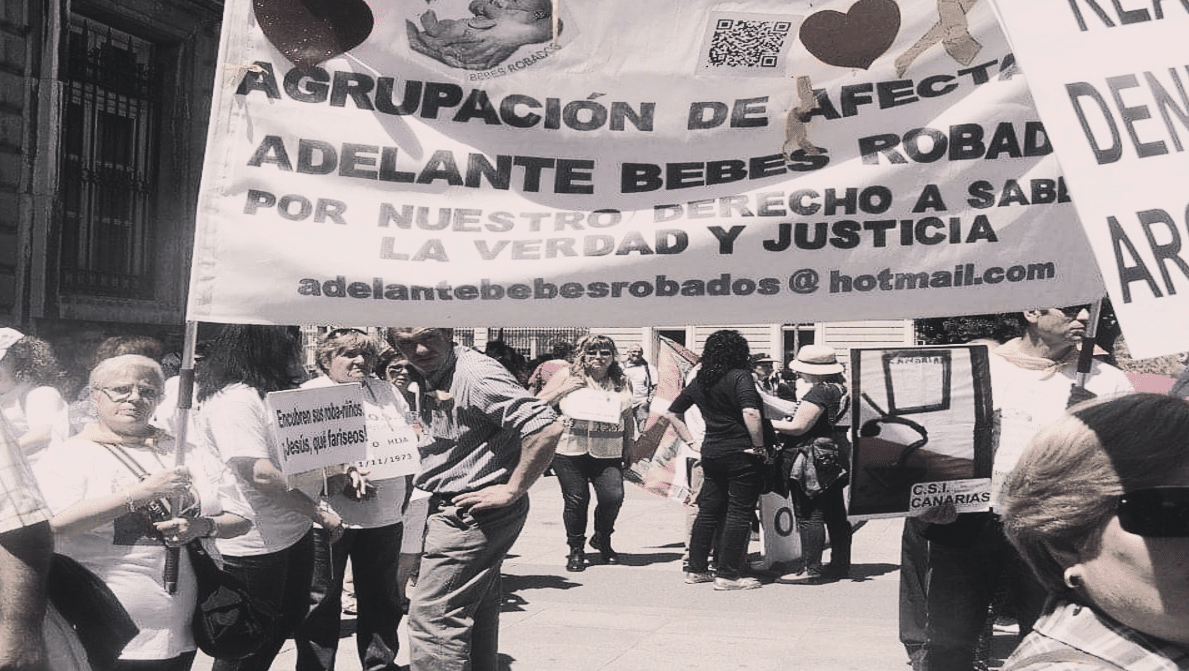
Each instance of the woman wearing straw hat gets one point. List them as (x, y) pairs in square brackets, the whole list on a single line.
[(815, 418)]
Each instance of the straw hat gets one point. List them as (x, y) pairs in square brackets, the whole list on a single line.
[(757, 359), (816, 360)]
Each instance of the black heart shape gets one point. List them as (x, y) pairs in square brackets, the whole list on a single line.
[(309, 32), (854, 39)]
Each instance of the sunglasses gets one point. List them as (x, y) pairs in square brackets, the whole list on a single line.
[(1159, 512), (1073, 311), (599, 352)]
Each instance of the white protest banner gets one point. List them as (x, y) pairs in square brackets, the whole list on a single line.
[(921, 415), (317, 428), (1113, 96), (619, 164)]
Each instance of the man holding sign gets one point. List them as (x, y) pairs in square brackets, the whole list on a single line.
[(1032, 383), (371, 505), (491, 440)]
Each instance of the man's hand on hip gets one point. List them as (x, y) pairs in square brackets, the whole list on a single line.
[(495, 496)]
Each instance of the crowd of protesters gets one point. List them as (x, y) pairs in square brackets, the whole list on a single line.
[(487, 425)]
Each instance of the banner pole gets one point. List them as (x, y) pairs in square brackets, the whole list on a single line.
[(181, 424), (1089, 339)]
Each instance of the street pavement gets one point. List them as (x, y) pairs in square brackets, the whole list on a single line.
[(640, 616)]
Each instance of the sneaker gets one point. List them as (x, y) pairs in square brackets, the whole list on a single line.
[(726, 584), (695, 577)]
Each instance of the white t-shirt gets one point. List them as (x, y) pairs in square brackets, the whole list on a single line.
[(234, 424), (386, 409), (125, 553), (1026, 401), (41, 406)]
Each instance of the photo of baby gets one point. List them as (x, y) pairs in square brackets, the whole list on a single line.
[(493, 32)]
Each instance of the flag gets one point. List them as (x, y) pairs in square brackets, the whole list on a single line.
[(659, 461)]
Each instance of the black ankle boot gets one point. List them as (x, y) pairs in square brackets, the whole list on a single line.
[(603, 545), (576, 561)]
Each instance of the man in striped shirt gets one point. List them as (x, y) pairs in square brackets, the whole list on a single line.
[(491, 440), (26, 544)]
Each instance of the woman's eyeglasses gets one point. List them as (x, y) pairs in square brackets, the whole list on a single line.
[(123, 392), (599, 352), (1159, 512)]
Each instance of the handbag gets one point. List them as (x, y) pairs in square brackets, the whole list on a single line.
[(92, 609), (820, 462), (228, 622)]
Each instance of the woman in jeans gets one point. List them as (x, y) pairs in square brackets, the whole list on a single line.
[(589, 394), (732, 458), (276, 558)]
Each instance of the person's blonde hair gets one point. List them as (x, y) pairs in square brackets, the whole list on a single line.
[(341, 341), (1067, 484), (110, 367), (581, 359)]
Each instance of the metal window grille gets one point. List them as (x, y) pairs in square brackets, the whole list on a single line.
[(112, 100), (535, 342)]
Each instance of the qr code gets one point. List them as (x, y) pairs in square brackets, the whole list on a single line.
[(750, 43)]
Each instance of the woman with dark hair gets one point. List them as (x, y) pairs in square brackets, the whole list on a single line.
[(1098, 507), (276, 558), (732, 458), (29, 395), (819, 511), (594, 398)]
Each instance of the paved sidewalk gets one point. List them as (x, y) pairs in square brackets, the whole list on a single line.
[(641, 616)]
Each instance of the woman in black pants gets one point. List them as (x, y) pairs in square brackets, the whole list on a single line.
[(732, 458), (815, 418)]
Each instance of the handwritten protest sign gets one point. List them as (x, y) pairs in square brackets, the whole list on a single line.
[(390, 163), (391, 444), (318, 428), (922, 422), (1114, 99)]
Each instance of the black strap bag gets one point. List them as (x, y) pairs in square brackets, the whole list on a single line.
[(229, 623), (92, 609)]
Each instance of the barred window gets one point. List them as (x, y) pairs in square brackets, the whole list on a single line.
[(111, 108)]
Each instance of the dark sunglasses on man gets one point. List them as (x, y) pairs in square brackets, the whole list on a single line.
[(1158, 512)]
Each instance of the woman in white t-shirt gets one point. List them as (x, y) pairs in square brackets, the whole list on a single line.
[(275, 559), (371, 505), (110, 489), (28, 398)]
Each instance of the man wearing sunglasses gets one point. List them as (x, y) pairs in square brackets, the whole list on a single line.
[(491, 440), (1033, 381)]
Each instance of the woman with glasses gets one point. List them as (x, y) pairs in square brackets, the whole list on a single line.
[(276, 558), (1099, 508), (371, 501), (112, 488), (594, 398)]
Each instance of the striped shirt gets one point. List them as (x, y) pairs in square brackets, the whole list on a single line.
[(21, 504), (1072, 637), (477, 431)]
